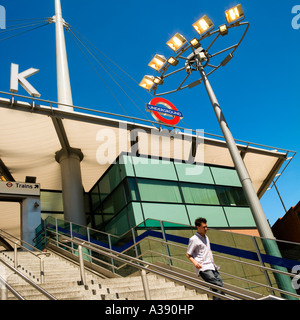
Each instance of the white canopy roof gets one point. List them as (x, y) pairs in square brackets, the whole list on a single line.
[(29, 140)]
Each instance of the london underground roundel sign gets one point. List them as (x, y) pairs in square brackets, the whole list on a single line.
[(159, 107)]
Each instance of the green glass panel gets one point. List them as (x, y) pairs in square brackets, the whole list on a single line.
[(199, 194), (227, 177), (154, 168), (98, 221), (159, 191), (213, 214), (109, 181), (52, 215), (107, 217), (135, 214), (132, 189), (193, 173), (51, 201), (126, 167), (114, 203), (231, 196), (166, 212), (95, 197), (119, 224), (239, 217)]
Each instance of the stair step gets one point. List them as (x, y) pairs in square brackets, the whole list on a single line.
[(62, 276)]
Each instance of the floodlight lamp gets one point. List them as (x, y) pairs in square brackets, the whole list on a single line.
[(157, 62), (147, 82), (203, 25), (176, 42), (174, 62), (202, 56), (223, 30), (234, 14), (158, 80), (195, 43)]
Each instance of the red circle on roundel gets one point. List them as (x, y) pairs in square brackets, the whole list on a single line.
[(158, 116)]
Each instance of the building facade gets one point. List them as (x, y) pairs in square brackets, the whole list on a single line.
[(132, 171), (138, 188), (288, 227)]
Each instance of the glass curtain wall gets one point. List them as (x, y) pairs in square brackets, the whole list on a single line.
[(137, 188)]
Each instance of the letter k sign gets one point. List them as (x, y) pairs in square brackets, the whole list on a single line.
[(16, 78)]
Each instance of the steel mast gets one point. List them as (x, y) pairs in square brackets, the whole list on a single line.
[(69, 158)]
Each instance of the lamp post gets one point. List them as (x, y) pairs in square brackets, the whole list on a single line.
[(197, 61)]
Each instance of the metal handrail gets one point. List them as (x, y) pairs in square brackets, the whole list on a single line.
[(149, 267), (217, 255), (260, 267), (37, 253), (181, 224), (11, 289), (32, 283), (2, 232), (88, 246)]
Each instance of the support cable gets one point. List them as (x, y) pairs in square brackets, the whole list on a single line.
[(74, 30), (101, 63), (98, 74), (128, 75), (20, 26), (15, 35)]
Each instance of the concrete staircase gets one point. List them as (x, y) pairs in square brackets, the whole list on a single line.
[(62, 281)]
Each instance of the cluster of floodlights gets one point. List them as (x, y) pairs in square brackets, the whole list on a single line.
[(203, 27)]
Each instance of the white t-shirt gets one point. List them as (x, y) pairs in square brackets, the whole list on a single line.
[(199, 249)]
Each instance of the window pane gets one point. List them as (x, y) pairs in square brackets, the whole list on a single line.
[(193, 173), (199, 194), (115, 202), (159, 191), (98, 221), (231, 196), (51, 201), (109, 181), (95, 197), (126, 167), (239, 217), (135, 214), (215, 215), (119, 224), (154, 168), (226, 177), (167, 212), (131, 189)]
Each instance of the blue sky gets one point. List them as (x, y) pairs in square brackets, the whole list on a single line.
[(258, 90)]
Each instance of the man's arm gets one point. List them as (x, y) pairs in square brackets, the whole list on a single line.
[(195, 263)]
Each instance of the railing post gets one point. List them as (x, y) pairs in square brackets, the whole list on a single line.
[(262, 264), (145, 285), (134, 241), (88, 231), (71, 235), (3, 292), (16, 256), (110, 247), (165, 240), (81, 265), (42, 269), (45, 228), (56, 232)]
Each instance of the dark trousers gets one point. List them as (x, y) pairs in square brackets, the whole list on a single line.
[(213, 277)]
